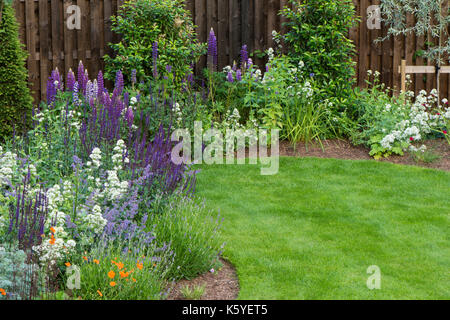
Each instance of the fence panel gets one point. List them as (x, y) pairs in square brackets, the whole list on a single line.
[(50, 43)]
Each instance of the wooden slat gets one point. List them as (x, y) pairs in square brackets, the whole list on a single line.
[(235, 30), (202, 32), (31, 40), (425, 69), (43, 47)]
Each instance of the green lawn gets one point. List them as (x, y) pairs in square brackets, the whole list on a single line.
[(312, 230)]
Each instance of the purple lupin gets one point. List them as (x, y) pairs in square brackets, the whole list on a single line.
[(70, 80), (212, 49), (244, 57)]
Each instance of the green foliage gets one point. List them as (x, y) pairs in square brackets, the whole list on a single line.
[(15, 98), (191, 232), (141, 23), (194, 293), (431, 19), (317, 35)]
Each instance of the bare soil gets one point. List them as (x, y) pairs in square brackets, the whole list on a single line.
[(223, 284), (343, 149)]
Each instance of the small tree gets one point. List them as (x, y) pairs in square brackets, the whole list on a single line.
[(15, 98), (431, 19)]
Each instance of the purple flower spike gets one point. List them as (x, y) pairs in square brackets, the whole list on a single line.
[(75, 98), (133, 76), (80, 74), (230, 77), (70, 80), (129, 116), (119, 82), (101, 86), (155, 59), (244, 56), (238, 75), (212, 48)]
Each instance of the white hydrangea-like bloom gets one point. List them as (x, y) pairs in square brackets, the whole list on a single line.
[(8, 164), (54, 197), (270, 54), (95, 220), (114, 188), (96, 158)]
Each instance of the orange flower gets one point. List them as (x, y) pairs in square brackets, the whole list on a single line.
[(3, 292), (85, 258), (67, 264), (99, 293), (124, 274), (112, 284), (134, 280), (52, 230), (52, 240), (111, 274), (119, 265), (139, 265), (96, 261)]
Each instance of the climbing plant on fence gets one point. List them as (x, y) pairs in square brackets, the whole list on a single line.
[(432, 19)]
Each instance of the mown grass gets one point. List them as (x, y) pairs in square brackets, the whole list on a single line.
[(312, 230)]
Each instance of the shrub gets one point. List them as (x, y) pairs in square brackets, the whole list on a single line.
[(158, 39), (317, 35), (15, 99)]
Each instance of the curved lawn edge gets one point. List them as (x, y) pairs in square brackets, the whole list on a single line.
[(312, 231)]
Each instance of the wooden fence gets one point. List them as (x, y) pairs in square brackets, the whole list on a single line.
[(236, 22)]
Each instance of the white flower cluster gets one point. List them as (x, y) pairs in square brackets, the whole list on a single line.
[(54, 249), (422, 148), (8, 164), (178, 114), (55, 201), (95, 221), (419, 121), (96, 158), (270, 54), (114, 188)]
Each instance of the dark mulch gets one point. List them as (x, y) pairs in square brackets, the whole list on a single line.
[(221, 285), (343, 149)]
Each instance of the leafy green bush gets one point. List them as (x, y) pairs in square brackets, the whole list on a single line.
[(15, 98), (157, 38), (392, 125), (317, 35)]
